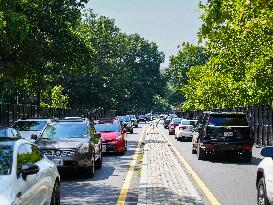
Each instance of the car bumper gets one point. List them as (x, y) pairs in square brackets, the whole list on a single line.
[(185, 135), (113, 147), (71, 162)]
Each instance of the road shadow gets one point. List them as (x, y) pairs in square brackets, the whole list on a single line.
[(234, 160)]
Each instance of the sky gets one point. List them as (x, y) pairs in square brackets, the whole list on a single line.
[(168, 23)]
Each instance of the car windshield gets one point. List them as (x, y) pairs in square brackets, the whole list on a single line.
[(176, 121), (30, 125), (228, 120), (120, 118), (107, 128), (126, 119), (6, 152), (188, 122), (69, 130)]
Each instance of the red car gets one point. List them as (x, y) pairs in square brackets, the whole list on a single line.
[(173, 124), (113, 138)]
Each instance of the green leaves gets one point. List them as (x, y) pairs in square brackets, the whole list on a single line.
[(237, 34)]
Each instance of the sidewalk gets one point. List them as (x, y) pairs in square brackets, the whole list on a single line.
[(163, 181)]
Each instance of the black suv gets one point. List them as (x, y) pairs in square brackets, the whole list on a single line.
[(72, 144), (222, 133)]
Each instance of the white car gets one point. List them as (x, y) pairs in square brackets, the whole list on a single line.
[(264, 180), (26, 176), (184, 130), (31, 127)]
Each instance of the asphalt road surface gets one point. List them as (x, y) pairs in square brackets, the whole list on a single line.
[(105, 186), (231, 181)]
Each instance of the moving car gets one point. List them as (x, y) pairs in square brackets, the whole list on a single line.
[(127, 124), (222, 133), (26, 176), (113, 138), (184, 130), (72, 145), (264, 179), (167, 122), (31, 127), (172, 125), (141, 118), (133, 119)]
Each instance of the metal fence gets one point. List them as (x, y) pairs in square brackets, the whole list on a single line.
[(259, 117), (10, 113)]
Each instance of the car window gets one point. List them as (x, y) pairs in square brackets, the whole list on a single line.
[(228, 120), (185, 122), (6, 154), (63, 130), (27, 153), (176, 121), (107, 127), (9, 132), (30, 125)]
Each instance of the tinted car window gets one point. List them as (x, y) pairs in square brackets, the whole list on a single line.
[(30, 125), (6, 153), (27, 153), (9, 132), (107, 128), (126, 119), (176, 121), (64, 130), (228, 120)]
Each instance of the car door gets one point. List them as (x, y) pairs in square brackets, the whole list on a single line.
[(26, 190), (43, 177)]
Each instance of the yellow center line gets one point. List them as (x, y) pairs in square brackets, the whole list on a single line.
[(126, 185), (213, 200)]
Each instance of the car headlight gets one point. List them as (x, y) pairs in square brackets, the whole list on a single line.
[(119, 138), (84, 148)]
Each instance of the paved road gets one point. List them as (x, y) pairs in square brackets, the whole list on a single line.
[(232, 182), (104, 187)]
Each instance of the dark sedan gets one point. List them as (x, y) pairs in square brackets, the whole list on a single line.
[(72, 145)]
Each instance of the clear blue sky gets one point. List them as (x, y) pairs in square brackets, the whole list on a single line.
[(168, 23)]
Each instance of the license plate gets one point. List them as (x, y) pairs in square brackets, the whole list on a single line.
[(228, 134), (103, 148), (58, 162)]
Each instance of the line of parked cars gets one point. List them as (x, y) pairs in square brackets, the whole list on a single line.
[(225, 133), (33, 151)]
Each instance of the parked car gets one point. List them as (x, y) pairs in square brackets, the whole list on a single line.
[(26, 176), (172, 125), (222, 133), (184, 130), (127, 124), (31, 127), (113, 138), (133, 119), (264, 179), (72, 145)]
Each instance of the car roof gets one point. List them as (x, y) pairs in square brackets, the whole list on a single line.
[(35, 119), (68, 122)]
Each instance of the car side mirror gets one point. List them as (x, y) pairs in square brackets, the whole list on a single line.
[(29, 169), (34, 137), (267, 152), (97, 135)]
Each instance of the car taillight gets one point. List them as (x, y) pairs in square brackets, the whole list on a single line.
[(172, 125), (208, 146), (248, 148), (182, 127)]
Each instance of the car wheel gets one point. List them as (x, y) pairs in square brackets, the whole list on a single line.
[(55, 198), (131, 131), (201, 155), (261, 196), (193, 151)]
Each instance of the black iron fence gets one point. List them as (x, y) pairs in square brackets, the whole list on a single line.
[(10, 113), (259, 117)]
